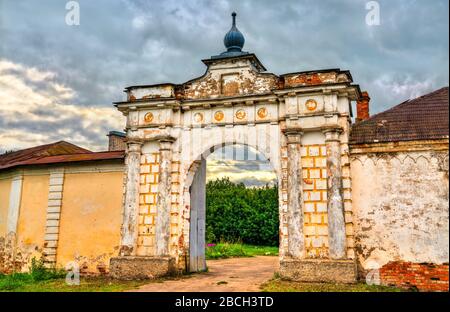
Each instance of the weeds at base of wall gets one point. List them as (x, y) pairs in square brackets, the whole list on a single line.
[(37, 273)]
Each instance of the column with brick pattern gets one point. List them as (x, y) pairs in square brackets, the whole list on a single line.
[(131, 201), (296, 245), (164, 199), (336, 222)]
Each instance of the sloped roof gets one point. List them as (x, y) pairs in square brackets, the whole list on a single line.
[(422, 118), (58, 152)]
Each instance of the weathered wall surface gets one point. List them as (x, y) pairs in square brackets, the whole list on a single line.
[(314, 78), (32, 219), (400, 201), (230, 79), (5, 188), (91, 216)]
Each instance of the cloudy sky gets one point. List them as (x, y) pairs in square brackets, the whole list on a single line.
[(59, 81), (241, 164)]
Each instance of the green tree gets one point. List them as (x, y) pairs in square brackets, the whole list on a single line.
[(236, 213)]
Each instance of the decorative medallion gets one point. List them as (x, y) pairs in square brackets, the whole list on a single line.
[(148, 117), (198, 117), (240, 114), (311, 104), (262, 112), (218, 116)]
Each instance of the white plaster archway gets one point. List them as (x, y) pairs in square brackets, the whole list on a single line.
[(177, 124)]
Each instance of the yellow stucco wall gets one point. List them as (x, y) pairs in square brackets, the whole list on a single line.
[(91, 217), (33, 209), (32, 218), (5, 187)]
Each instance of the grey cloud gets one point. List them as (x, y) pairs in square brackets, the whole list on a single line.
[(249, 182), (128, 42)]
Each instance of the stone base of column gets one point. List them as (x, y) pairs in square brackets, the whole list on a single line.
[(141, 267), (319, 270)]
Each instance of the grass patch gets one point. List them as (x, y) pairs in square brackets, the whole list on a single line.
[(235, 250), (278, 285), (42, 279), (38, 274), (97, 284), (261, 250)]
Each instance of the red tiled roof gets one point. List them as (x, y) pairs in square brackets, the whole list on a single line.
[(423, 118), (59, 152)]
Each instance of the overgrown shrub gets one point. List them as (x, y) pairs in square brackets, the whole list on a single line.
[(237, 213), (39, 272)]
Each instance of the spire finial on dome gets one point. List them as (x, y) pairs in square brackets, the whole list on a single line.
[(234, 40)]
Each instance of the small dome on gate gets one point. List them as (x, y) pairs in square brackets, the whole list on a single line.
[(234, 39)]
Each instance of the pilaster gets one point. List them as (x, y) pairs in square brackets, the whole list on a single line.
[(336, 221), (131, 202), (164, 198), (296, 245), (55, 196)]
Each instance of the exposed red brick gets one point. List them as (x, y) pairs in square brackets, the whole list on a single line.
[(423, 276), (362, 107)]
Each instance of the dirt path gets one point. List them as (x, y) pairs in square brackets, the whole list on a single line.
[(237, 274)]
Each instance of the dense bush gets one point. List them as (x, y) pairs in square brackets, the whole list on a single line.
[(236, 213)]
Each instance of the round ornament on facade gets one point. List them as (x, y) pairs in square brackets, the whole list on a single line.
[(262, 113), (218, 116), (240, 114), (148, 117), (198, 117), (311, 105)]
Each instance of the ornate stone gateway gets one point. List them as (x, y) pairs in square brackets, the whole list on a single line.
[(299, 121)]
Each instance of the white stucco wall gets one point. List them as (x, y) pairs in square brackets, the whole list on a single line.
[(400, 203)]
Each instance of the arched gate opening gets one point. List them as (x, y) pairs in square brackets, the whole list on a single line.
[(249, 166)]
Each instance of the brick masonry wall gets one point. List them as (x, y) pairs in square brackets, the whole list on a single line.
[(423, 276), (116, 143), (315, 200), (147, 203), (148, 194)]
